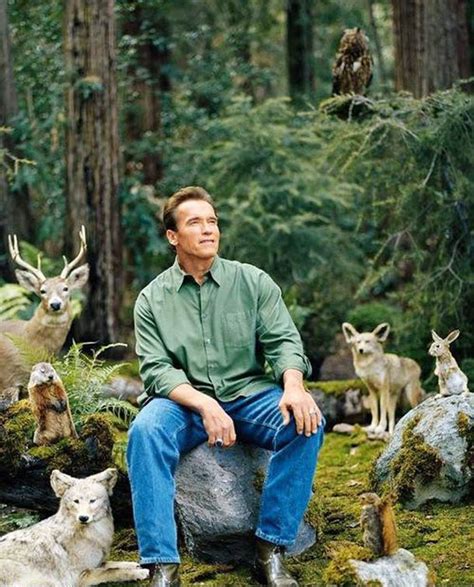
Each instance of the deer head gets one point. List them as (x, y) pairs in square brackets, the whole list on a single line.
[(54, 292)]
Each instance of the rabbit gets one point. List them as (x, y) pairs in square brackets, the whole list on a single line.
[(451, 380)]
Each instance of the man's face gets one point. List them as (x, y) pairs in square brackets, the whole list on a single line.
[(197, 232)]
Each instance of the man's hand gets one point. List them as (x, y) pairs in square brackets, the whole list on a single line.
[(297, 400), (218, 425)]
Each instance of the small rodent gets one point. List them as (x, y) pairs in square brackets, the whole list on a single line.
[(378, 524), (50, 406)]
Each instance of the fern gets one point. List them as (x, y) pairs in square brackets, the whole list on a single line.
[(85, 376), (14, 300)]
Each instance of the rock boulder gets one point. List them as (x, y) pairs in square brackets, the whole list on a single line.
[(431, 453), (217, 503)]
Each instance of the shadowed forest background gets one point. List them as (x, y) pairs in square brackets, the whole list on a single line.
[(361, 209)]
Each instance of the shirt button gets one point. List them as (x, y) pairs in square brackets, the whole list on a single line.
[(204, 315), (208, 340)]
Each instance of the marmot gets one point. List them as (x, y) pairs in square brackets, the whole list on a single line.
[(378, 524), (49, 405)]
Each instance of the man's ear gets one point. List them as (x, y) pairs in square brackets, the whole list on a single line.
[(382, 331), (60, 482), (78, 277), (349, 331), (108, 478), (28, 281), (172, 237)]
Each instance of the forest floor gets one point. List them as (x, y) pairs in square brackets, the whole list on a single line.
[(440, 535)]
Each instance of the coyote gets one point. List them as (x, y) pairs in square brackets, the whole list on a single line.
[(386, 375), (69, 548)]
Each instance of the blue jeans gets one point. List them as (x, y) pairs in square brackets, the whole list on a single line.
[(164, 430)]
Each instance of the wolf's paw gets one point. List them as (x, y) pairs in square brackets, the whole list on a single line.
[(142, 574)]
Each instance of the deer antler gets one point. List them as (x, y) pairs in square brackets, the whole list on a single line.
[(15, 253), (68, 267)]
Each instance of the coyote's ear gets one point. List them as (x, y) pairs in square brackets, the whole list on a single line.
[(436, 337), (60, 482), (349, 331), (452, 336), (108, 478), (382, 331)]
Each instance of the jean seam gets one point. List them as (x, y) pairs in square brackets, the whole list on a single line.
[(274, 428)]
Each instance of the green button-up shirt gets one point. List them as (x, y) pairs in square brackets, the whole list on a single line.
[(215, 336)]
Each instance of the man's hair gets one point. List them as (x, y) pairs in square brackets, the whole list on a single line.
[(183, 195)]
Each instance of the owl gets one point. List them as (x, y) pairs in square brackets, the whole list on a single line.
[(352, 72)]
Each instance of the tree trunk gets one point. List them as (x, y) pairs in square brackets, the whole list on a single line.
[(378, 44), (431, 44), (149, 81), (16, 210), (299, 36), (92, 160)]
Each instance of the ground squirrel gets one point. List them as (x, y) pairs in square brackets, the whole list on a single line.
[(50, 406), (378, 524)]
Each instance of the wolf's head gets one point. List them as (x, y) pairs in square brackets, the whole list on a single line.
[(86, 500), (366, 343)]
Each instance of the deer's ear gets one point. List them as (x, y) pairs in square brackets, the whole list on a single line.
[(382, 331), (349, 331), (28, 280), (78, 277), (60, 482), (452, 336)]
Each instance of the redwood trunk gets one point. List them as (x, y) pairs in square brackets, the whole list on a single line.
[(299, 35), (431, 44), (92, 160), (15, 206), (149, 81)]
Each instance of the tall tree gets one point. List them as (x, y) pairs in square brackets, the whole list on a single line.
[(15, 205), (431, 44), (148, 31), (299, 41), (92, 158)]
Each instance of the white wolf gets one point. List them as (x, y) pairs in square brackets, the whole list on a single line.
[(69, 548)]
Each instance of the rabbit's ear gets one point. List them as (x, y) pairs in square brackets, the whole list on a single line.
[(349, 331), (381, 331), (452, 336), (436, 337)]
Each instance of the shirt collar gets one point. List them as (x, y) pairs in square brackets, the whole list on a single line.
[(179, 275)]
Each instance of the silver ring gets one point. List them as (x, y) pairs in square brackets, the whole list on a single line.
[(219, 443), (312, 412)]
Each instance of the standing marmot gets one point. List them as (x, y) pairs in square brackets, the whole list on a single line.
[(378, 524), (49, 405)]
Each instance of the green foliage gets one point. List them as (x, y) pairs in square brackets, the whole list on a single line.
[(84, 377), (14, 300)]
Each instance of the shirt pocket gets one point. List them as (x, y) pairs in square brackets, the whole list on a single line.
[(239, 329)]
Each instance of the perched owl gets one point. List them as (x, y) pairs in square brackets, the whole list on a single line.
[(378, 524), (352, 72)]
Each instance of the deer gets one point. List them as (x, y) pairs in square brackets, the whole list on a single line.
[(48, 327)]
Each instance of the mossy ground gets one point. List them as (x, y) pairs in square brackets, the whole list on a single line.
[(439, 534)]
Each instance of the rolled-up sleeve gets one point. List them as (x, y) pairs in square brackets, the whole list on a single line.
[(157, 371), (276, 331)]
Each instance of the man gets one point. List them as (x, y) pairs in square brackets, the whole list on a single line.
[(204, 328)]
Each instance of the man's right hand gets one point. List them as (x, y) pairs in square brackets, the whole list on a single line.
[(218, 424)]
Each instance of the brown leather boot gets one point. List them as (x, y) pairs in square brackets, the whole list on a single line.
[(164, 575), (269, 565)]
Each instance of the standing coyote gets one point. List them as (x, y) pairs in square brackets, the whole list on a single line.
[(385, 375), (69, 548)]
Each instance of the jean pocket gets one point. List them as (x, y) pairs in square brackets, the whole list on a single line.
[(239, 331)]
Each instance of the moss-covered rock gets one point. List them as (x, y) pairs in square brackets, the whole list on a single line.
[(17, 426), (337, 388)]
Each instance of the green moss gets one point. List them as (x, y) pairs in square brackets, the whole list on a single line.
[(466, 430), (416, 463), (17, 426), (337, 388), (340, 571), (259, 480)]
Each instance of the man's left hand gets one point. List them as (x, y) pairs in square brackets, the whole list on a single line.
[(297, 400)]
